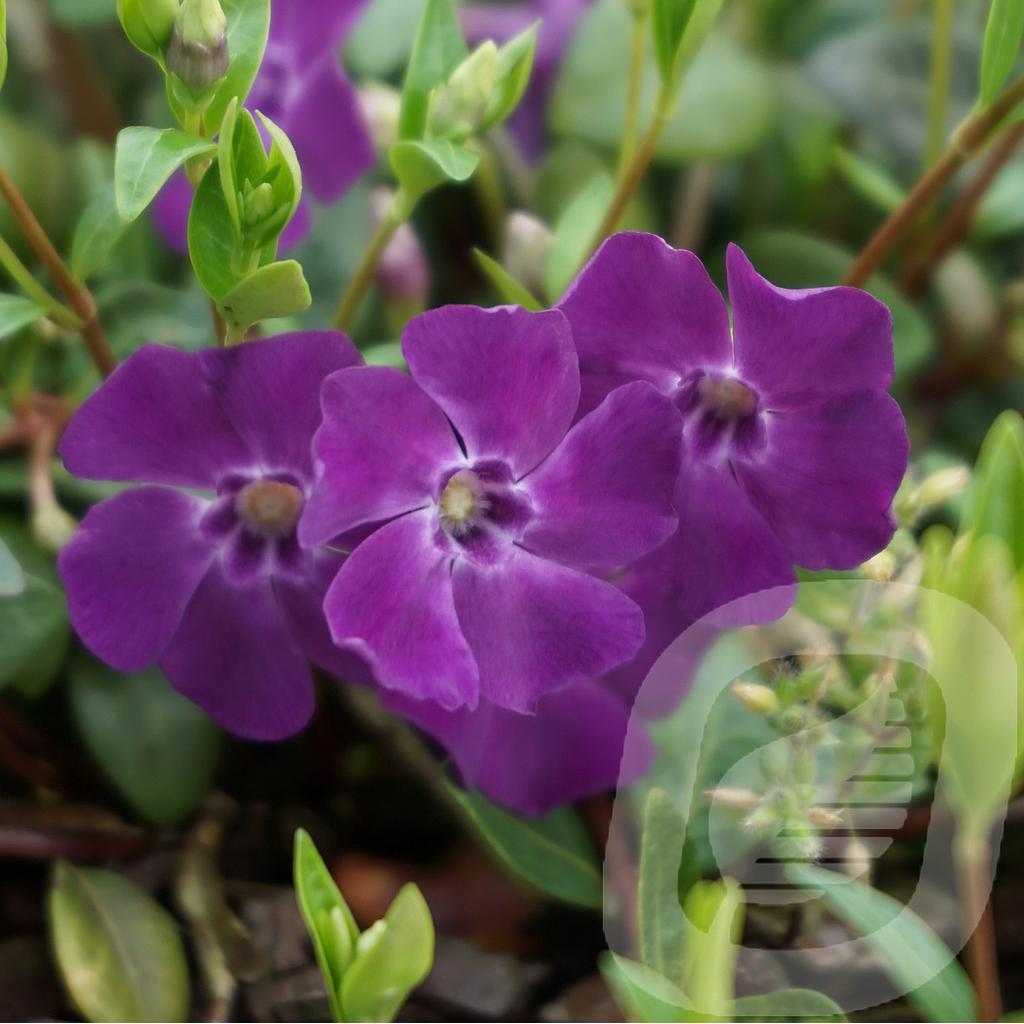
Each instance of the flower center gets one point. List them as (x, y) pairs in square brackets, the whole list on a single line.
[(463, 503), (269, 507), (726, 398)]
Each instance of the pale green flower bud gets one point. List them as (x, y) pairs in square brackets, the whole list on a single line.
[(52, 527), (459, 106), (761, 700), (148, 24)]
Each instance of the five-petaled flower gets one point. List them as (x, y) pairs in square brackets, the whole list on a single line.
[(479, 585), (201, 570)]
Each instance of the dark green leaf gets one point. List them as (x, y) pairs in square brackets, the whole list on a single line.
[(421, 167), (553, 852), (143, 161), (788, 1004), (99, 229), (668, 23), (438, 49), (119, 952), (1003, 34), (12, 579), (276, 290), (156, 747), (17, 313), (507, 287), (3, 41), (211, 238), (913, 955), (574, 234)]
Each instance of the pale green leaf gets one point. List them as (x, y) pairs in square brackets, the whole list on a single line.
[(515, 63), (438, 49), (1003, 34), (276, 290), (788, 1004), (668, 23), (420, 167), (510, 290), (574, 234), (17, 313), (99, 229)]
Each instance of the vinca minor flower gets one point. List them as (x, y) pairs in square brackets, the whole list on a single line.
[(477, 586), (793, 450), (302, 87), (200, 570)]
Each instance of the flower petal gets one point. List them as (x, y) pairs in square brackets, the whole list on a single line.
[(641, 310), (572, 747), (604, 496), (234, 655), (155, 420), (392, 603), (381, 451), (270, 391), (131, 569), (506, 378), (309, 29), (535, 626), (170, 212), (805, 347), (827, 480), (326, 125)]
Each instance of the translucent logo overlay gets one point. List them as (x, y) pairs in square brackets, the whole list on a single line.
[(869, 712)]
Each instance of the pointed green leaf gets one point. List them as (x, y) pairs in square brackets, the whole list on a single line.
[(119, 952), (392, 958), (788, 1004), (420, 167), (515, 63), (574, 233), (1003, 34), (283, 152), (915, 957), (157, 748), (438, 49), (211, 238), (553, 852), (669, 19), (144, 158), (871, 181), (3, 41), (12, 579), (505, 284), (329, 922), (16, 313), (248, 25), (715, 909), (278, 289), (99, 229)]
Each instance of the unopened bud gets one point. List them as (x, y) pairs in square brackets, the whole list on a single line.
[(52, 527), (460, 104), (881, 568), (943, 486), (258, 204), (148, 24), (198, 52), (528, 242), (822, 817), (380, 106), (792, 720), (742, 799), (761, 700)]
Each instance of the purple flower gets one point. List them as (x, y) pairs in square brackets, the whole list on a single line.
[(793, 451), (213, 585), (502, 21), (477, 589), (302, 87)]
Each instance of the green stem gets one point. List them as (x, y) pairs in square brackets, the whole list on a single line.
[(357, 288), (637, 63), (941, 75), (973, 856), (34, 290)]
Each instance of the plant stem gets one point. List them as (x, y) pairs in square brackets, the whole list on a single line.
[(637, 64), (23, 278), (941, 73), (966, 143), (958, 222), (973, 857), (363, 277), (78, 296)]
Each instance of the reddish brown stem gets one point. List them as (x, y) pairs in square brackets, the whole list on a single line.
[(982, 953)]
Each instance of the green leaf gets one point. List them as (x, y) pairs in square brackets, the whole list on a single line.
[(788, 1004), (211, 238), (278, 289), (157, 748), (144, 158), (913, 955), (715, 909), (421, 167), (12, 579), (380, 46), (553, 852), (437, 51), (792, 259), (507, 287), (995, 502), (99, 229), (871, 181), (248, 28), (515, 63), (669, 19), (574, 233), (1003, 34), (329, 921), (17, 313), (3, 41), (119, 952), (727, 104), (392, 957), (283, 152), (643, 994)]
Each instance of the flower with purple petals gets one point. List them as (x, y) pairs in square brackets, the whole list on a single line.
[(477, 588), (200, 570), (302, 87), (501, 22), (793, 450)]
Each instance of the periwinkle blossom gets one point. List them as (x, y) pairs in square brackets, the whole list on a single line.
[(302, 87), (793, 450), (200, 570), (478, 587), (501, 22)]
